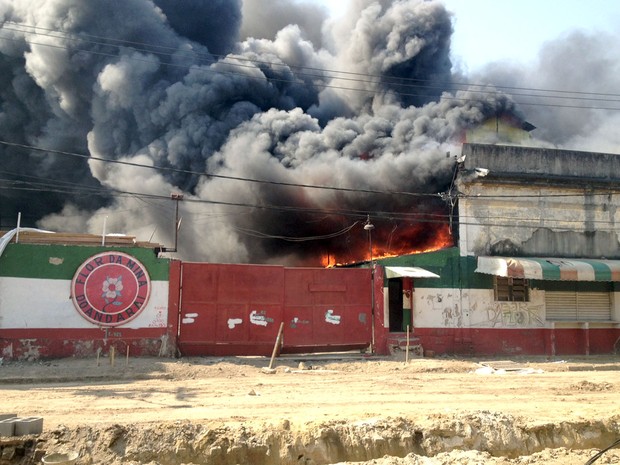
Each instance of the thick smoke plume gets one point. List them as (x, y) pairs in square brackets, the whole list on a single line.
[(205, 97)]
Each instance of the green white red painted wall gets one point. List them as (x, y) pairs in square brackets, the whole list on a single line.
[(458, 314), (46, 310), (43, 314)]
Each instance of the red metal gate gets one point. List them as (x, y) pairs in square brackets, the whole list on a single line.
[(238, 309)]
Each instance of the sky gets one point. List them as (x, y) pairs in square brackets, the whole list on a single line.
[(510, 30)]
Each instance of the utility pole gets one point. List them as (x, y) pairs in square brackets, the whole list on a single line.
[(177, 197), (369, 227)]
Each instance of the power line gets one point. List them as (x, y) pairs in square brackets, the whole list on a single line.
[(261, 235), (414, 217), (336, 74), (404, 82), (216, 176), (343, 75), (601, 191)]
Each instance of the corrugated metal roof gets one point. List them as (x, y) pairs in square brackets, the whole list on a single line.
[(557, 269)]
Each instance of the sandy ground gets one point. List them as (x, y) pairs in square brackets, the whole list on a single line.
[(438, 408)]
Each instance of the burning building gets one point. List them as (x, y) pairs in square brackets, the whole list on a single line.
[(283, 137), (535, 272), (537, 267)]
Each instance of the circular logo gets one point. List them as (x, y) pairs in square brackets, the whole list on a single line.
[(110, 289)]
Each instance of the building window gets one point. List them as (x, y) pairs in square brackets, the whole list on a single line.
[(511, 289)]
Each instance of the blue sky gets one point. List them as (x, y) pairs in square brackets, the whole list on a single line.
[(492, 30)]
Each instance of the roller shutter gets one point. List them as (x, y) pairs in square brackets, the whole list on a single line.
[(578, 306)]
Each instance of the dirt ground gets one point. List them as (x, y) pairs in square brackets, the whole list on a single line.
[(336, 408)]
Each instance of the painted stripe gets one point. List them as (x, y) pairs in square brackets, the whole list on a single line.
[(607, 270), (61, 262), (535, 269), (602, 271), (46, 303), (550, 270), (583, 271)]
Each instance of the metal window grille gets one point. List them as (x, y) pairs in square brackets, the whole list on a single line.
[(511, 289)]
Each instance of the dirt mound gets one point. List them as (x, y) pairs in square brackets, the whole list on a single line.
[(316, 410), (485, 437)]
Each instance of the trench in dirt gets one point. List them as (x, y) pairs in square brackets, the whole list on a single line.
[(327, 443)]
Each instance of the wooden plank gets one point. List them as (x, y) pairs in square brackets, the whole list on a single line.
[(32, 237)]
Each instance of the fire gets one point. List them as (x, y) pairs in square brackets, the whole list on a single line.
[(326, 261), (418, 238)]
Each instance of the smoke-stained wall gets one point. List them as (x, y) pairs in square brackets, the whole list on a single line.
[(539, 202)]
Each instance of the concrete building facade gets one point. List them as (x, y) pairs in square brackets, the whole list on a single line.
[(537, 267)]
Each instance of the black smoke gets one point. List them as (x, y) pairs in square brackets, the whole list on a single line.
[(241, 90)]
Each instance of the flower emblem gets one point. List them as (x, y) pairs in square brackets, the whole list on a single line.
[(112, 288)]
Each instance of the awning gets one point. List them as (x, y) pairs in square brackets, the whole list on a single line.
[(408, 272), (8, 236), (557, 269)]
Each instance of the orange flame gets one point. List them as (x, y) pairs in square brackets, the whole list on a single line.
[(440, 239)]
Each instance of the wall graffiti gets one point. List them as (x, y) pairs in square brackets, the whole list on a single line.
[(260, 318), (450, 311), (189, 318), (159, 320), (298, 322), (452, 317), (510, 315), (332, 318)]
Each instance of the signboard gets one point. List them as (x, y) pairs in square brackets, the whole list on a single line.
[(110, 289)]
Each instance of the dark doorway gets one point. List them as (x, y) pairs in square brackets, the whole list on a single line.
[(395, 291)]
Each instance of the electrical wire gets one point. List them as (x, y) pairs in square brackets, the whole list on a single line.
[(404, 83), (334, 74), (39, 184), (379, 215), (215, 176), (603, 191), (254, 233), (324, 73)]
